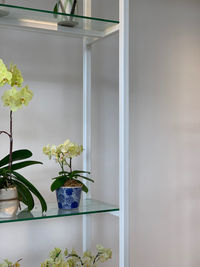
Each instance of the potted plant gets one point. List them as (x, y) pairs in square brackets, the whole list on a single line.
[(66, 7), (67, 185), (72, 259), (8, 263), (13, 186)]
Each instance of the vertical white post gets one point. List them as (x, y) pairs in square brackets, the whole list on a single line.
[(124, 133), (86, 124)]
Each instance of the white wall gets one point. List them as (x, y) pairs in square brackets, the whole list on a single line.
[(52, 67), (166, 66)]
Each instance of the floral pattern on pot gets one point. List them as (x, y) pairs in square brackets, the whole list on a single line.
[(68, 197)]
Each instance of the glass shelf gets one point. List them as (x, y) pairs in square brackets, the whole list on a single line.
[(87, 206), (47, 21)]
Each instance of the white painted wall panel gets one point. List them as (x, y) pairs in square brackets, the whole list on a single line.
[(166, 64)]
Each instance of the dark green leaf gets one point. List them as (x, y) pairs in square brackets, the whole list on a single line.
[(16, 155), (58, 183), (24, 195), (84, 187), (86, 178), (32, 188), (71, 175), (77, 171), (60, 177), (22, 164), (55, 10)]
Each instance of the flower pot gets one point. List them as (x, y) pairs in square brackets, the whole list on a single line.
[(8, 202), (65, 6), (68, 197)]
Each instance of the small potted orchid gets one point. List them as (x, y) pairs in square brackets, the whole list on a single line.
[(13, 186), (67, 185), (72, 259)]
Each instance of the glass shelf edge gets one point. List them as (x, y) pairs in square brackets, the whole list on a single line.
[(58, 13), (86, 207), (44, 21), (67, 32)]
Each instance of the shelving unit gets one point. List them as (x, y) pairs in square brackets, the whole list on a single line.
[(90, 30)]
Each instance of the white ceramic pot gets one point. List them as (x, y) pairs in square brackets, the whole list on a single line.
[(8, 202)]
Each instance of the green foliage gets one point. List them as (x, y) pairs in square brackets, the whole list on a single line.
[(66, 176), (16, 155), (9, 178)]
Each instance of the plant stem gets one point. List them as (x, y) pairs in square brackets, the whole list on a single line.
[(1, 132), (11, 142), (96, 258), (10, 137), (70, 164), (62, 7), (73, 7), (62, 167)]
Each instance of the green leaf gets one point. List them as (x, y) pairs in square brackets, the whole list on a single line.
[(58, 183), (86, 178), (16, 155), (55, 10), (32, 188), (77, 171), (24, 195), (84, 187), (22, 164), (71, 175), (59, 177)]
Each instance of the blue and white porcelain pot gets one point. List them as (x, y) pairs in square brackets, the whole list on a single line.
[(68, 197)]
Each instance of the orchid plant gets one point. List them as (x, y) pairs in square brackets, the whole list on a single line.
[(8, 263), (72, 259), (15, 98), (63, 155)]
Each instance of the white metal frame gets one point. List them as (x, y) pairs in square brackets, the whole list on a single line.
[(123, 127), (87, 123), (124, 133)]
